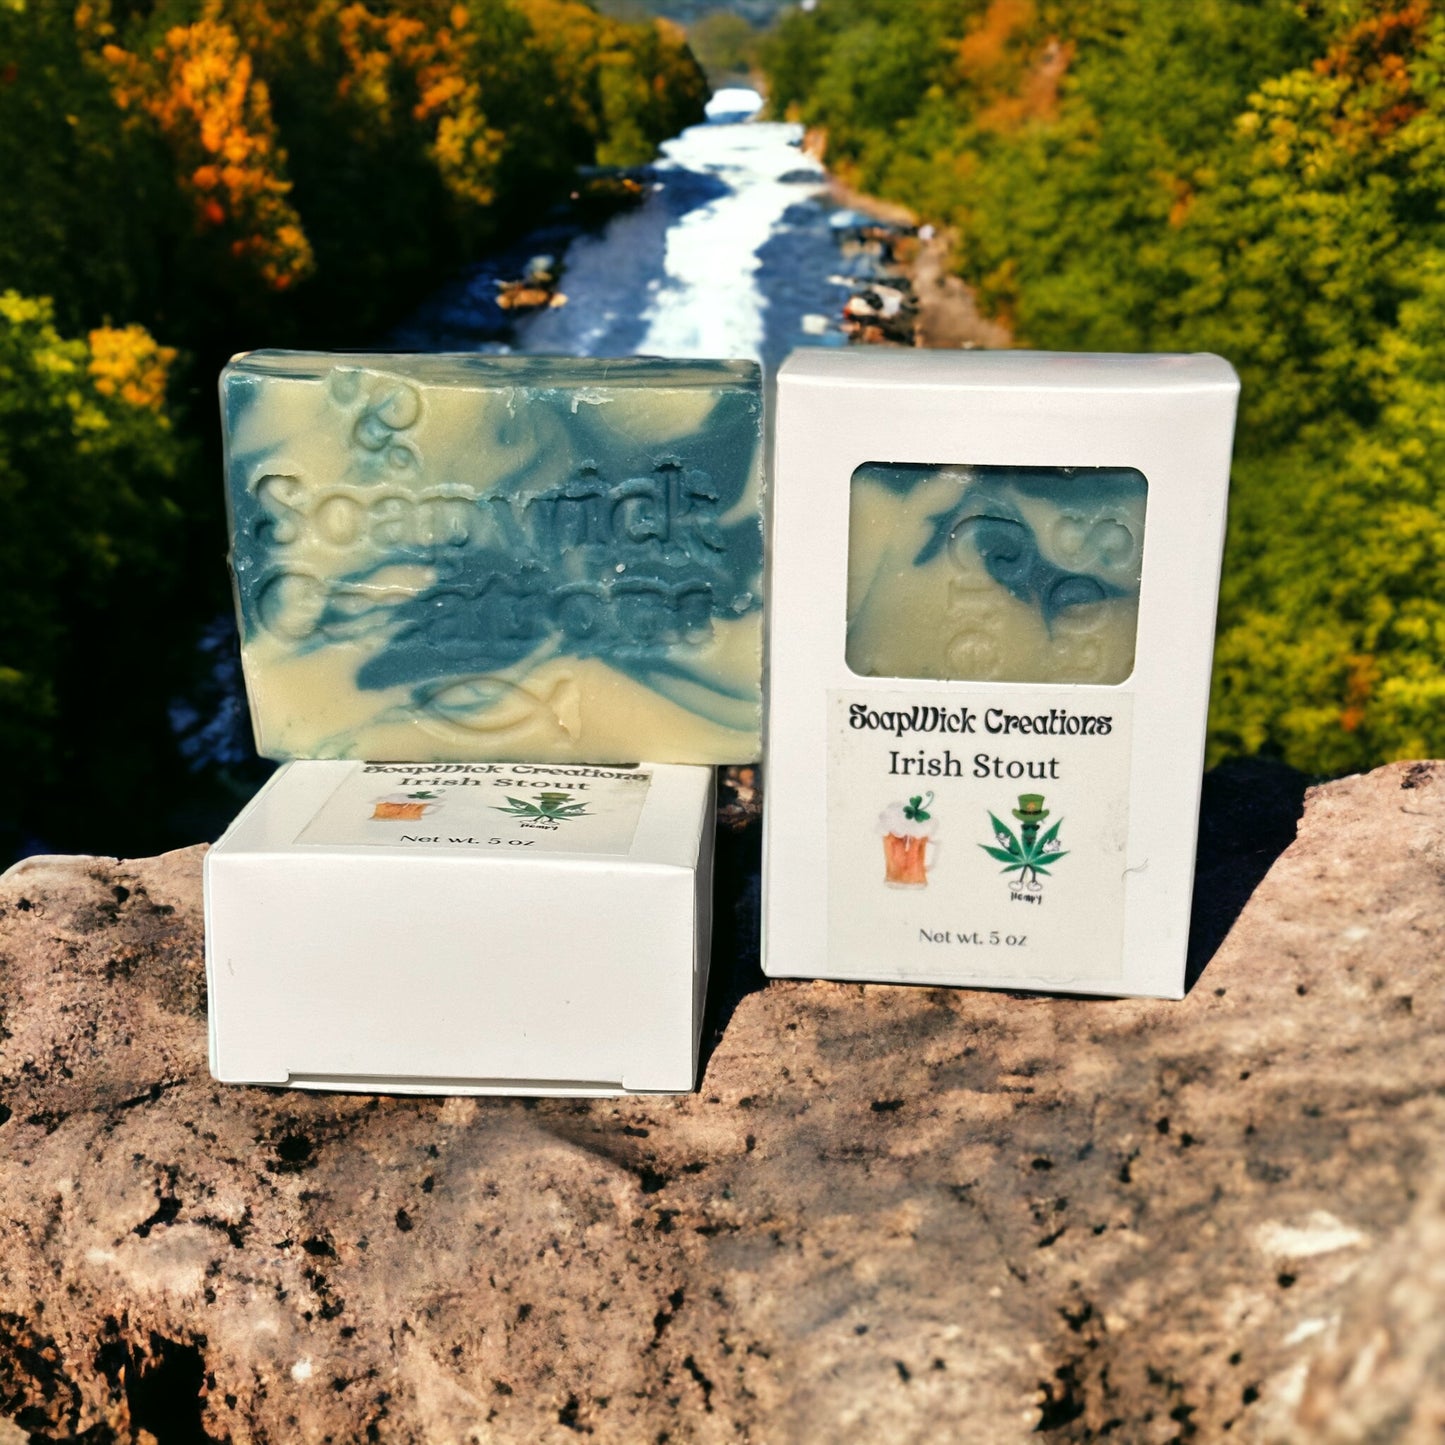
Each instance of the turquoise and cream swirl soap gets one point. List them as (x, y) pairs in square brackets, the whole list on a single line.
[(461, 558)]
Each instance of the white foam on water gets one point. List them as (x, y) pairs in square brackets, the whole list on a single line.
[(733, 100), (710, 304)]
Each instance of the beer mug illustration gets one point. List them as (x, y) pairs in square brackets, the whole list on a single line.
[(909, 846), (403, 807)]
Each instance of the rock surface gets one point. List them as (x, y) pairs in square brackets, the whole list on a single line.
[(888, 1215)]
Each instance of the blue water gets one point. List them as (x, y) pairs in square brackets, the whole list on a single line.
[(725, 256)]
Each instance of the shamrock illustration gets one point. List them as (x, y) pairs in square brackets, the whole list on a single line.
[(916, 809)]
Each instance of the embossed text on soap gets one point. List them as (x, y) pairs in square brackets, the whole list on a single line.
[(672, 510), (498, 554)]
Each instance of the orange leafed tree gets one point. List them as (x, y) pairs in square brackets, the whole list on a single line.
[(1014, 70), (390, 56), (287, 119), (127, 362), (200, 88)]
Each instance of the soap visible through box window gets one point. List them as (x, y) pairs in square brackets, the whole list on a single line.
[(994, 573)]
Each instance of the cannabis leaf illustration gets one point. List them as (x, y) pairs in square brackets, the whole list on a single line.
[(1017, 856), (551, 806)]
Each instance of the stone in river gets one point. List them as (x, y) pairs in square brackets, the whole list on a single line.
[(466, 558)]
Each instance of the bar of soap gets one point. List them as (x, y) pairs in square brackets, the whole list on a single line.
[(474, 558), (995, 573)]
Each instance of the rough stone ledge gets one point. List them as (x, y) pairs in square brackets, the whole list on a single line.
[(889, 1214)]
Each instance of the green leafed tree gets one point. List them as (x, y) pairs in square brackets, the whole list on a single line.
[(88, 462), (725, 45)]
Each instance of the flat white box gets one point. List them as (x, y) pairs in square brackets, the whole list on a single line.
[(1113, 917), (487, 928)]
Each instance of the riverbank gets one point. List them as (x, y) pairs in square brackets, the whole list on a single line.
[(948, 317), (948, 314)]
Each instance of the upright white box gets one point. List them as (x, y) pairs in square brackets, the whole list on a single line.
[(993, 585), (482, 928)]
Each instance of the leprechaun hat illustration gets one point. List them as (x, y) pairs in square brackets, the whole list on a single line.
[(1030, 812)]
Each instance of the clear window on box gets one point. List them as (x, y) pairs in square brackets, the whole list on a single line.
[(994, 574)]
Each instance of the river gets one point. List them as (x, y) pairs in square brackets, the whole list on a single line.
[(729, 254)]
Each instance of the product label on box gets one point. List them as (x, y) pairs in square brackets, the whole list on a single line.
[(979, 840), (513, 808)]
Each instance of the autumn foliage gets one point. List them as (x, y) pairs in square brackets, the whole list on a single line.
[(199, 88), (1260, 178), (259, 145), (89, 467)]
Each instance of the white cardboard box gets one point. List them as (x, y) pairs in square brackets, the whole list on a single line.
[(488, 928), (1106, 910)]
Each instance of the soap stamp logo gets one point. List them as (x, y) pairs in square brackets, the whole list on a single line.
[(909, 846), (494, 705), (1026, 854), (403, 807), (546, 810)]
